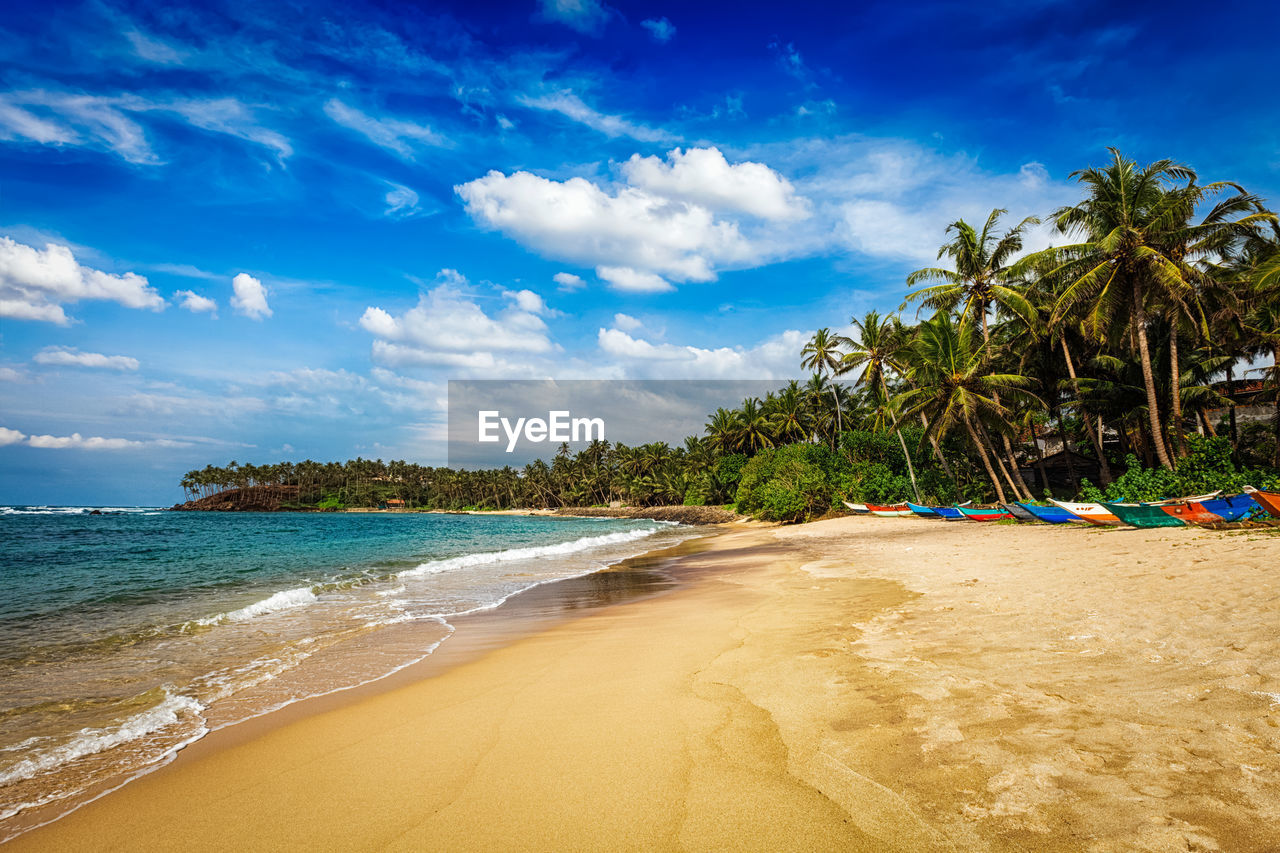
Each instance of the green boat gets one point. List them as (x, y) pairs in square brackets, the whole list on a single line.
[(1140, 515)]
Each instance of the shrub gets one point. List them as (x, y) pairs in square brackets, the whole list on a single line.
[(789, 483)]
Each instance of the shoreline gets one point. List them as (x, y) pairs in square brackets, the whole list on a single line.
[(842, 685), (473, 634)]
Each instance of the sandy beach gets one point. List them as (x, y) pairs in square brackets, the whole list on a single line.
[(852, 684)]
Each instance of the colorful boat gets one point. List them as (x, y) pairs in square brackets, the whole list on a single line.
[(985, 514), (948, 513), (889, 511), (1142, 515), (1050, 514), (1192, 512), (1270, 501), (1019, 512), (1232, 508), (857, 507), (1092, 513), (922, 511), (1170, 501)]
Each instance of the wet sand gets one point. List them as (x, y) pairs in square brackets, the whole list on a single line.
[(855, 684)]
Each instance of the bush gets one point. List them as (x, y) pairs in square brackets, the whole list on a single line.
[(789, 483), (1208, 467)]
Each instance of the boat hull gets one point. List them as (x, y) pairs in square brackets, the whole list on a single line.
[(1020, 512), (860, 508), (948, 513), (1270, 501), (1051, 514), (1140, 515), (1232, 508), (922, 511), (985, 514), (1192, 512), (1092, 513)]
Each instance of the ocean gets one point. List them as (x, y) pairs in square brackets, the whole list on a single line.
[(129, 634)]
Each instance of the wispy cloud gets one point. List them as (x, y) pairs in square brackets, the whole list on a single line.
[(661, 29), (72, 357), (571, 106), (402, 137), (586, 16)]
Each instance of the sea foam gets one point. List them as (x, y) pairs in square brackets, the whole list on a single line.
[(529, 553)]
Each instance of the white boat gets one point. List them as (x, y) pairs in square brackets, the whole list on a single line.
[(1092, 513), (856, 507)]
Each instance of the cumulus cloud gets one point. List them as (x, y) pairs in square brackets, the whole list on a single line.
[(8, 374), (402, 137), (76, 441), (36, 283), (568, 281), (626, 322), (633, 236), (571, 106), (195, 303), (775, 358), (630, 280), (448, 327), (661, 29), (586, 16), (10, 436), (72, 357), (703, 176), (250, 297)]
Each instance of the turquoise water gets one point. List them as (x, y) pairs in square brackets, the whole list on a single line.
[(126, 635)]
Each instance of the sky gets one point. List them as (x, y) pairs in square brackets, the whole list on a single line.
[(273, 231)]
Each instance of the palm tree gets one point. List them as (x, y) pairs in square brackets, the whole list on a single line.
[(879, 348), (955, 388), (822, 355)]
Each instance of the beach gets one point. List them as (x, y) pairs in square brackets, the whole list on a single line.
[(850, 684)]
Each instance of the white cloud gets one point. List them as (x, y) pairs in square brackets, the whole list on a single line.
[(229, 116), (577, 221), (449, 328), (629, 280), (402, 137), (703, 176), (661, 29), (10, 436), (568, 281), (35, 283), (71, 357), (776, 358), (153, 49), (585, 16), (626, 322), (78, 442), (401, 201), (195, 303), (571, 106), (250, 297), (8, 374)]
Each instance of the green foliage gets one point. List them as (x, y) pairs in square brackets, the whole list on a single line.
[(1208, 467), (790, 483), (331, 503)]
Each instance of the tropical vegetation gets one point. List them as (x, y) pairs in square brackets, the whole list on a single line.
[(1122, 349)]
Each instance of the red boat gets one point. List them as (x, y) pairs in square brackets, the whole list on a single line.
[(1270, 501)]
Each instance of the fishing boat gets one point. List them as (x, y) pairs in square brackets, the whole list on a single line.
[(922, 511), (948, 513), (1092, 513), (889, 511), (1019, 512), (1270, 501), (985, 514), (1050, 514), (1170, 501), (856, 507), (1192, 512), (1142, 515), (1233, 507)]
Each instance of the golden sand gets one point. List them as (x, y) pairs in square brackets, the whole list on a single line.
[(856, 684)]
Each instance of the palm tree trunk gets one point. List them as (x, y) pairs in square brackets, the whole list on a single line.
[(1175, 394), (1021, 487), (1148, 377), (1095, 438), (999, 463), (1044, 473), (1072, 479), (986, 461), (1231, 408), (911, 471), (937, 450)]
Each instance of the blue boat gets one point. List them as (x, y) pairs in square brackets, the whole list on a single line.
[(922, 511), (1051, 514), (1232, 508), (948, 513)]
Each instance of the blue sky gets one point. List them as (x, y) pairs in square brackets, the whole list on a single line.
[(268, 231)]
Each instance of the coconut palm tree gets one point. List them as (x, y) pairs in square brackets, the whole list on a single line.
[(823, 355), (955, 388), (880, 348)]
